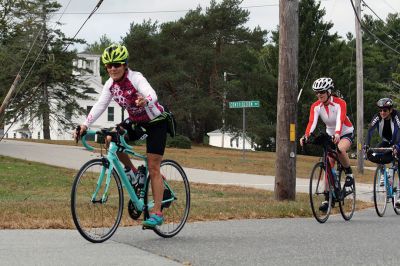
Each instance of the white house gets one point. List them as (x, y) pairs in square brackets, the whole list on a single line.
[(32, 128), (230, 140)]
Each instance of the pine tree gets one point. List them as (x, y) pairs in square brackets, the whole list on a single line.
[(51, 90)]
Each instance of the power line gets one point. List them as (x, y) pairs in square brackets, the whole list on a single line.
[(369, 32), (155, 11), (315, 55), (44, 45), (390, 37), (390, 6), (91, 13), (26, 58)]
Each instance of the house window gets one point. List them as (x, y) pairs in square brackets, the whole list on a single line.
[(110, 114), (15, 135), (38, 135), (89, 64), (88, 108)]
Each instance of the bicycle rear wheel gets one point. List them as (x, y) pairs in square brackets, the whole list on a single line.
[(347, 203), (176, 199), (320, 191), (380, 191), (396, 192), (96, 219)]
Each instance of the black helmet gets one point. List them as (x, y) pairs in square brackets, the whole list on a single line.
[(385, 103)]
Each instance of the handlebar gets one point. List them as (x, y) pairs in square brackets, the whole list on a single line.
[(116, 136), (324, 140), (380, 149)]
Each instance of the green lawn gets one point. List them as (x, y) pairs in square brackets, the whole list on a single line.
[(34, 195)]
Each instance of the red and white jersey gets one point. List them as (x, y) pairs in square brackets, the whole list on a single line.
[(333, 115), (125, 92)]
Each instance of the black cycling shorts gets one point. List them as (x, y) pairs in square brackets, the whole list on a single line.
[(156, 134), (349, 136)]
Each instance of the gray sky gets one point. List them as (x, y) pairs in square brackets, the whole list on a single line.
[(263, 13)]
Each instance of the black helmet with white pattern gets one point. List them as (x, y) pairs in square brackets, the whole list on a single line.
[(323, 84), (385, 103)]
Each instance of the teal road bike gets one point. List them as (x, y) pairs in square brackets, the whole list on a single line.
[(97, 196), (386, 186)]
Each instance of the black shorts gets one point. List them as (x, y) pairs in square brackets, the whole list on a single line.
[(349, 136), (156, 134)]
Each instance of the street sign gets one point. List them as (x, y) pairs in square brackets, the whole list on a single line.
[(244, 104)]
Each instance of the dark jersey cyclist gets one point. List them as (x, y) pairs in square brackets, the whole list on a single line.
[(332, 111), (387, 123), (132, 91)]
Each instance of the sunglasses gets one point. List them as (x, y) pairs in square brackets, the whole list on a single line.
[(320, 92), (115, 65), (384, 110)]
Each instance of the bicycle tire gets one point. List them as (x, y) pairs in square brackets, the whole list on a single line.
[(96, 221), (396, 191), (176, 212), (380, 192), (319, 191), (347, 200)]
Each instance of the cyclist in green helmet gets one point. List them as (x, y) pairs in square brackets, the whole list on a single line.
[(131, 90)]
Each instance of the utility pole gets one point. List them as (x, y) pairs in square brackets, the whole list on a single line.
[(285, 179), (223, 111), (8, 96), (224, 106), (360, 91)]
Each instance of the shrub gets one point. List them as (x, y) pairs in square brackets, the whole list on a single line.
[(180, 142)]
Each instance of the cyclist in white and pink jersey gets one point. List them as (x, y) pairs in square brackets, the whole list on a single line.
[(332, 111), (132, 91)]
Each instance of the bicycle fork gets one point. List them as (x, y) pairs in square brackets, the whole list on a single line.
[(106, 165)]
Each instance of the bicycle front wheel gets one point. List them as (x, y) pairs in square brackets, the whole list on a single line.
[(96, 209), (320, 193), (347, 201), (380, 191), (396, 192), (176, 199)]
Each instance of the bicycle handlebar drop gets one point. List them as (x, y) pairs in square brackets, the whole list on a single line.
[(83, 138)]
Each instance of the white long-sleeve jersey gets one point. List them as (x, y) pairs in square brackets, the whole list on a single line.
[(125, 92), (333, 115)]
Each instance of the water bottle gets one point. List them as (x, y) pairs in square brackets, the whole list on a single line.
[(335, 178), (141, 174), (131, 175)]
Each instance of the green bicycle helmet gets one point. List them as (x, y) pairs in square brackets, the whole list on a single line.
[(115, 53)]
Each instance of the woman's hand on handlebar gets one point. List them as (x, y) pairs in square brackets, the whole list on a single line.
[(336, 139), (303, 140), (79, 132)]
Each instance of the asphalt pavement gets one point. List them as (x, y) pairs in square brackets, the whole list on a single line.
[(365, 240)]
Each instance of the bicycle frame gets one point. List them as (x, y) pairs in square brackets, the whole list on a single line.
[(387, 184), (330, 179), (394, 166), (114, 163)]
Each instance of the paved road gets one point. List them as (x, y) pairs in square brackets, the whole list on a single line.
[(365, 240), (74, 157)]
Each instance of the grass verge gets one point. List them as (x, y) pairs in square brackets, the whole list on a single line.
[(34, 195), (229, 160)]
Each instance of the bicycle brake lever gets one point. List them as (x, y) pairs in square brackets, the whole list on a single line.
[(77, 134)]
